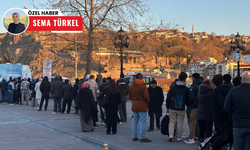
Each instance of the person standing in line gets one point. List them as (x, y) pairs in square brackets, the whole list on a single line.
[(101, 88), (45, 88), (155, 105), (123, 87), (38, 94), (67, 96), (56, 92), (11, 88), (4, 90), (111, 108), (204, 110), (18, 92), (177, 97), (138, 93), (74, 93), (87, 107), (238, 106), (192, 108), (93, 87), (25, 91), (33, 94)]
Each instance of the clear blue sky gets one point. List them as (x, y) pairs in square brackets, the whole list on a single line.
[(220, 16)]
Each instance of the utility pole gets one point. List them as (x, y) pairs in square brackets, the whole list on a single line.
[(75, 57)]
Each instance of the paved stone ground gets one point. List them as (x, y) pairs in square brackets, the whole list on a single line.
[(23, 128)]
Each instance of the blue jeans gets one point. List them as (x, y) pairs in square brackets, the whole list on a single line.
[(100, 106), (143, 121), (241, 138), (4, 96), (11, 96)]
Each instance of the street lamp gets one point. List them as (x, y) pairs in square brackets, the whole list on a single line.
[(121, 42), (238, 45)]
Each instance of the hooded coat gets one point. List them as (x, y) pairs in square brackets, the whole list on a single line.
[(220, 117), (138, 93), (123, 88), (172, 93), (204, 109), (156, 100), (45, 87), (193, 92)]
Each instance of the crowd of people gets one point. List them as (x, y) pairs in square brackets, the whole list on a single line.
[(208, 104), (211, 104)]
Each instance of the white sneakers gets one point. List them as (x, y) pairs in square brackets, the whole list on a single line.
[(189, 141), (179, 139), (171, 138)]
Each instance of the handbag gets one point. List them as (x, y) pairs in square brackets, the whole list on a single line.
[(105, 101)]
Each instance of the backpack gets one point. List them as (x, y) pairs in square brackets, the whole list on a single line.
[(180, 98), (164, 125), (25, 85)]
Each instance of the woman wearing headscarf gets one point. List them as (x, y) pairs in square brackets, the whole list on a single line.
[(111, 106), (38, 93), (86, 104)]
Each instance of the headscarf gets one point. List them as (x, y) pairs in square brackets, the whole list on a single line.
[(85, 85)]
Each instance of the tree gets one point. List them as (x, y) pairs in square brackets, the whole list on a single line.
[(8, 57), (98, 13)]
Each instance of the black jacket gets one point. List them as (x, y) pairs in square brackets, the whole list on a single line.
[(238, 105), (123, 87), (156, 101), (75, 89), (193, 91), (220, 117), (56, 88), (204, 109), (228, 85), (20, 28), (101, 89), (45, 87), (67, 91), (4, 85), (172, 93)]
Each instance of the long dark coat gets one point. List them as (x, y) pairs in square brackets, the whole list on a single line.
[(156, 101), (111, 108)]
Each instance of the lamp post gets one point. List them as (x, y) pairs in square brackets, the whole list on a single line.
[(121, 42), (238, 45)]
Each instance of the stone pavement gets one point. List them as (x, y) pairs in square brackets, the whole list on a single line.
[(23, 128)]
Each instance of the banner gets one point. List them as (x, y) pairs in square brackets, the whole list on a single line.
[(47, 68), (9, 70)]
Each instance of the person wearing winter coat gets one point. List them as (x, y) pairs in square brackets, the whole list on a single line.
[(38, 93), (17, 92), (86, 104), (204, 110), (138, 93), (111, 107), (67, 96), (56, 93), (11, 88), (45, 88), (123, 88), (74, 94), (220, 117), (155, 104), (33, 94), (25, 91), (4, 90)]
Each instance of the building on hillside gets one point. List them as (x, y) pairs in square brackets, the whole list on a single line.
[(245, 58), (199, 66)]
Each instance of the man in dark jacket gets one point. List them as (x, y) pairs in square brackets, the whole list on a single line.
[(154, 108), (45, 89), (101, 89), (227, 81), (74, 94), (217, 100), (4, 90), (123, 87), (122, 80), (67, 96), (56, 93), (192, 108), (237, 105), (176, 99)]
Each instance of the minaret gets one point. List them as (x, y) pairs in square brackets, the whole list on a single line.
[(193, 31)]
